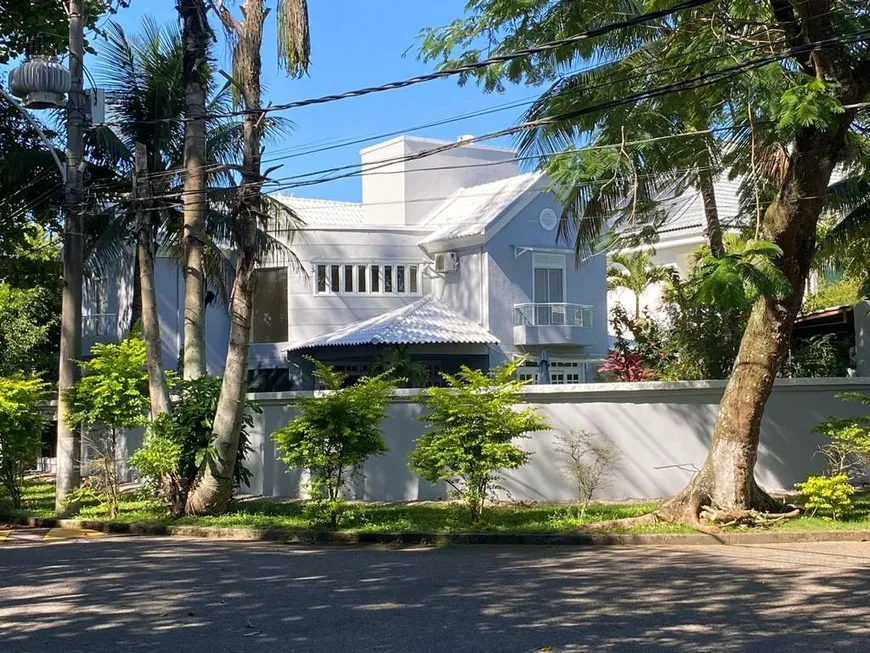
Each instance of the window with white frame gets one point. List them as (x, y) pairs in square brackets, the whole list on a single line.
[(562, 372), (367, 279)]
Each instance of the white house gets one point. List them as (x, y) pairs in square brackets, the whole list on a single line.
[(452, 256)]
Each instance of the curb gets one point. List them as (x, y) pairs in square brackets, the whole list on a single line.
[(288, 536)]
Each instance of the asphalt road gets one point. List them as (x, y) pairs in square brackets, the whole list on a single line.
[(144, 594)]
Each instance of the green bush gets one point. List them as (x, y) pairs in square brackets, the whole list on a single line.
[(178, 443), (21, 425), (849, 449), (472, 426), (333, 435), (110, 398), (830, 495)]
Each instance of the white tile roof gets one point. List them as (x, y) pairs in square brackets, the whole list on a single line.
[(323, 213), (686, 212), (425, 321), (469, 211)]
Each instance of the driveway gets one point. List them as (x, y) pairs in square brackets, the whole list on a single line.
[(132, 594)]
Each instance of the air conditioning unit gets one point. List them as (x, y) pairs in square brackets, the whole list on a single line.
[(446, 262)]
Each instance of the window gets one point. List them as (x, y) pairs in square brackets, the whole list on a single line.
[(353, 371), (400, 278), (549, 289), (365, 279), (562, 372), (270, 323)]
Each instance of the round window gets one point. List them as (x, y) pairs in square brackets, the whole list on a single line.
[(549, 219)]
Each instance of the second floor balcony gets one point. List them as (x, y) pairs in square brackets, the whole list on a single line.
[(552, 324)]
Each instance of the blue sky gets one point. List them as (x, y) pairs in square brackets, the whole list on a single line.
[(357, 44)]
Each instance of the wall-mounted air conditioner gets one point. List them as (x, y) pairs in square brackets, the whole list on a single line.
[(446, 262)]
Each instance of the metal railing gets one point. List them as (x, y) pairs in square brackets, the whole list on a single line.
[(573, 315), (101, 325)]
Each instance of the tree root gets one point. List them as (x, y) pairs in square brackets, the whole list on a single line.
[(693, 507)]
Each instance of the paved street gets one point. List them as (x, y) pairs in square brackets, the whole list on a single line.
[(131, 594)]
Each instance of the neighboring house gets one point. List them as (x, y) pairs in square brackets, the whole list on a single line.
[(452, 257), (683, 230)]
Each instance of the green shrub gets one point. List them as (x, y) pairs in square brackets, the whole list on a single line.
[(333, 435), (178, 444), (21, 425), (830, 495), (849, 449), (472, 426), (110, 398)]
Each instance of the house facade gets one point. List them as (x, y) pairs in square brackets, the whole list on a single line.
[(451, 257)]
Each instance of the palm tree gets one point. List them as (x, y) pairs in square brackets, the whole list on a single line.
[(196, 36), (636, 273), (142, 76), (248, 210), (401, 365)]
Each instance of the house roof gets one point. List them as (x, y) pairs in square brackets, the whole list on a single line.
[(323, 213), (469, 211), (425, 321), (686, 212)]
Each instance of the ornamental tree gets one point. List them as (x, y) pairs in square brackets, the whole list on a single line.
[(473, 424)]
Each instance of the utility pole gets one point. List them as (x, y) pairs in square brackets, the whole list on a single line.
[(69, 440)]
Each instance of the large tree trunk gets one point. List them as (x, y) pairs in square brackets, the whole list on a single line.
[(158, 391), (711, 212), (195, 40), (726, 480), (215, 488)]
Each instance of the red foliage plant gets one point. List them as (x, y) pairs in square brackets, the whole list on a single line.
[(627, 366)]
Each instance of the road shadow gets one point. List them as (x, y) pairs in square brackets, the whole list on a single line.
[(153, 594)]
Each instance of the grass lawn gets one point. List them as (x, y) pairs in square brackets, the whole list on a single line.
[(402, 517)]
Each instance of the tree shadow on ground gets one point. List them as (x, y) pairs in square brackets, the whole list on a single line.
[(151, 594)]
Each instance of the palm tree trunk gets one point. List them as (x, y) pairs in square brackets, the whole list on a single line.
[(158, 390), (195, 37), (215, 488), (726, 479), (711, 212)]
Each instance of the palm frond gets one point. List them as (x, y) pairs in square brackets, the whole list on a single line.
[(294, 41)]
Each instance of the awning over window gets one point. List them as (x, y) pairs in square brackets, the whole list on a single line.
[(426, 321)]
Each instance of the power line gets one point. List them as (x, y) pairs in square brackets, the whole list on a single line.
[(705, 79), (466, 68)]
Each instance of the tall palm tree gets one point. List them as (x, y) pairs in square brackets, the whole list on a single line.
[(142, 75), (196, 37), (635, 272), (249, 210)]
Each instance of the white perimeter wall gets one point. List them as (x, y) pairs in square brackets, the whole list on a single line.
[(662, 429)]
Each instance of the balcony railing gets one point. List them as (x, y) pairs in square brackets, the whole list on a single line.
[(572, 315), (99, 326)]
